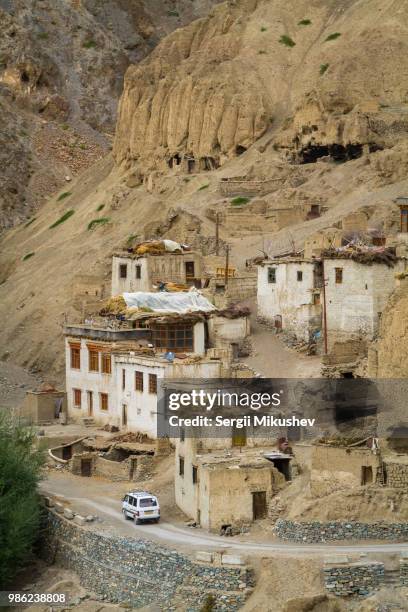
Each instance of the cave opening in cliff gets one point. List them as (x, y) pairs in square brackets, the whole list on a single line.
[(174, 161), (190, 165), (24, 77), (239, 150), (209, 163), (336, 152)]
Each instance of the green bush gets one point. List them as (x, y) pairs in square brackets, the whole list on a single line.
[(43, 35), (263, 29), (27, 256), (333, 36), (96, 222), (239, 200), (173, 14), (64, 217), (100, 207), (323, 68), (286, 40), (304, 22), (261, 51), (89, 44), (203, 187), (130, 239), (63, 195), (20, 472)]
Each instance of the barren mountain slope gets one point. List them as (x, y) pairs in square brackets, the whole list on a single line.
[(61, 70), (211, 90)]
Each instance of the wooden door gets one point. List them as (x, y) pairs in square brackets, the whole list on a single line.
[(259, 505)]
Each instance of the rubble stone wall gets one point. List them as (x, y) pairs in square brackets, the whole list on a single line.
[(316, 531), (397, 475), (404, 569), (354, 578), (140, 572)]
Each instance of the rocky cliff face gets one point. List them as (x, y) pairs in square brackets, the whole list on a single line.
[(61, 74), (320, 78)]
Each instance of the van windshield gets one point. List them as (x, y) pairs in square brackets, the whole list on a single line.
[(147, 502)]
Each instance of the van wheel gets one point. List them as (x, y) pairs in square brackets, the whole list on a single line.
[(125, 514), (137, 521)]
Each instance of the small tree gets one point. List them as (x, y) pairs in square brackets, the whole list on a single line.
[(20, 471)]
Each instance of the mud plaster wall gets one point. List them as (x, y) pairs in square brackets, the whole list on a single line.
[(140, 572), (339, 468)]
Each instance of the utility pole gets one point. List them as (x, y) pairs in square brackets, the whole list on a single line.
[(217, 233), (324, 310), (226, 265)]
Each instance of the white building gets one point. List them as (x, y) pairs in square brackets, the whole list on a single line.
[(112, 374), (356, 294), (132, 272), (288, 294)]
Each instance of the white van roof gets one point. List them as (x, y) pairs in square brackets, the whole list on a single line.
[(140, 494)]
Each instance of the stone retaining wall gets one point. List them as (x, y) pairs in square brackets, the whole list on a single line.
[(354, 578), (141, 572), (404, 569), (397, 474), (316, 532)]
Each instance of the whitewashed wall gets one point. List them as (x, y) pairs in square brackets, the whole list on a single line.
[(354, 306), (288, 297), (90, 381), (130, 283)]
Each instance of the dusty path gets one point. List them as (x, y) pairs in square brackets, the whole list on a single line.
[(103, 498), (272, 359)]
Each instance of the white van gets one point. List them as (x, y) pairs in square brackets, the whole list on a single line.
[(141, 506)]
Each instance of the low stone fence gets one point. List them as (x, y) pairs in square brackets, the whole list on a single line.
[(361, 578), (315, 531), (140, 572)]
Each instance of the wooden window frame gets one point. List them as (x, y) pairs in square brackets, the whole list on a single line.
[(92, 360), (299, 276), (106, 363), (153, 384), (75, 356), (123, 379), (338, 276), (138, 271), (104, 402), (123, 269), (77, 394), (139, 381), (178, 338)]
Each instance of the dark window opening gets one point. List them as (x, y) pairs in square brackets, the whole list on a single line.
[(347, 375), (181, 466), (86, 467), (299, 275), (153, 383), (195, 474), (366, 474), (138, 270), (338, 275), (174, 161), (271, 275), (123, 270), (190, 165)]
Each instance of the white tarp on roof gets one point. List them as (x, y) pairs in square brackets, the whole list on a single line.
[(181, 302)]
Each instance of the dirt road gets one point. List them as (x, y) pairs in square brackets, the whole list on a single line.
[(272, 359), (91, 496)]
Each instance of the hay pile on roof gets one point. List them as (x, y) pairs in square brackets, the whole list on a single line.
[(234, 312), (367, 256), (114, 306), (159, 247)]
